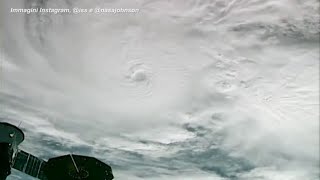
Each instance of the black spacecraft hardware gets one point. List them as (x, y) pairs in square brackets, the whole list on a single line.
[(67, 167)]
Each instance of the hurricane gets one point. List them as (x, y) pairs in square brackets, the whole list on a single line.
[(175, 89)]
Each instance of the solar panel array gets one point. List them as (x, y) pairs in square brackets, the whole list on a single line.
[(30, 165)]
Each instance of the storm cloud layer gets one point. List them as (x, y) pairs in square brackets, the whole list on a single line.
[(184, 89)]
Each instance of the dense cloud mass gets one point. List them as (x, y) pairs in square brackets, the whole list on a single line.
[(183, 89)]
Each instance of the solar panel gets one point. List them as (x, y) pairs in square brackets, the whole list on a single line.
[(30, 165), (67, 167)]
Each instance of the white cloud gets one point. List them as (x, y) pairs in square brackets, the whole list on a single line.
[(177, 78)]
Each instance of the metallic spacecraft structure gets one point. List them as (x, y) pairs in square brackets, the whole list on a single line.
[(67, 167)]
